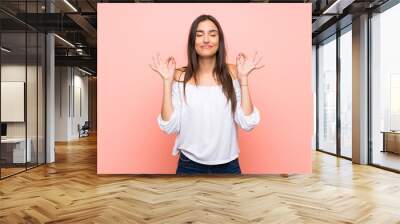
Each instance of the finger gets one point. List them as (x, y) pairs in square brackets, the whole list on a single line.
[(258, 61), (240, 58), (154, 69), (159, 58), (173, 61), (154, 60), (170, 62), (244, 56), (255, 56), (259, 67), (173, 65), (166, 62)]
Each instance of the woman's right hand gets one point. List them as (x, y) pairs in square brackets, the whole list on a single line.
[(166, 69)]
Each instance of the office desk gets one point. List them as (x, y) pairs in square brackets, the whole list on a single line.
[(391, 141), (13, 150)]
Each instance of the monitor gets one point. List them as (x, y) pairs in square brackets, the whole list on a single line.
[(3, 129)]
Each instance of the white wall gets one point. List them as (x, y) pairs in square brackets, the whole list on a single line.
[(34, 125), (70, 83), (62, 81), (15, 72), (9, 73)]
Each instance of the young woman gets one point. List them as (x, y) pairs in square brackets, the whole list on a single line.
[(203, 101)]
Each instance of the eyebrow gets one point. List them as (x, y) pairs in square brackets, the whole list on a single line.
[(202, 31)]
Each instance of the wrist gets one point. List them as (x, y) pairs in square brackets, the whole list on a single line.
[(243, 81), (167, 82)]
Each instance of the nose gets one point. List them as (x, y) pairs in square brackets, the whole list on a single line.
[(205, 39)]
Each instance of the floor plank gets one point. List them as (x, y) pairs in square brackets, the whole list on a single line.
[(70, 191)]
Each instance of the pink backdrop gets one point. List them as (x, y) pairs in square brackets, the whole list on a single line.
[(130, 93)]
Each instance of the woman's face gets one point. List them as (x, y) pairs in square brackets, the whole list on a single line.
[(207, 39)]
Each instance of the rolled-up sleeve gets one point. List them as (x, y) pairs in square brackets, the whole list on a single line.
[(246, 122), (173, 124)]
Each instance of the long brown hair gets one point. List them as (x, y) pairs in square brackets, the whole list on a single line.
[(221, 70)]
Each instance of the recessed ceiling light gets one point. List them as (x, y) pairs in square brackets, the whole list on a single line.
[(64, 40), (84, 71), (70, 5), (5, 49), (338, 6)]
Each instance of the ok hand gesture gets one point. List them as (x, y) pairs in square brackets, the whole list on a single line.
[(245, 66), (166, 69)]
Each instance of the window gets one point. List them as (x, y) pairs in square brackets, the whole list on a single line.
[(385, 88), (346, 74), (327, 95)]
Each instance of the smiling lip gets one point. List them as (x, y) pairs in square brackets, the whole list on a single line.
[(206, 46)]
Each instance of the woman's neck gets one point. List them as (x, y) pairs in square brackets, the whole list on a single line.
[(206, 66)]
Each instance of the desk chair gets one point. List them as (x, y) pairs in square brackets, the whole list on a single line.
[(84, 130)]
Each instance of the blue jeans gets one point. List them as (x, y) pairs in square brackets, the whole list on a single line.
[(188, 166)]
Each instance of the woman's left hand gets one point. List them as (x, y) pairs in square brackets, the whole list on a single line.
[(245, 66)]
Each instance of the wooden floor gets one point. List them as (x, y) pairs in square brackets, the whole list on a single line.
[(69, 191), (387, 159), (5, 172)]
